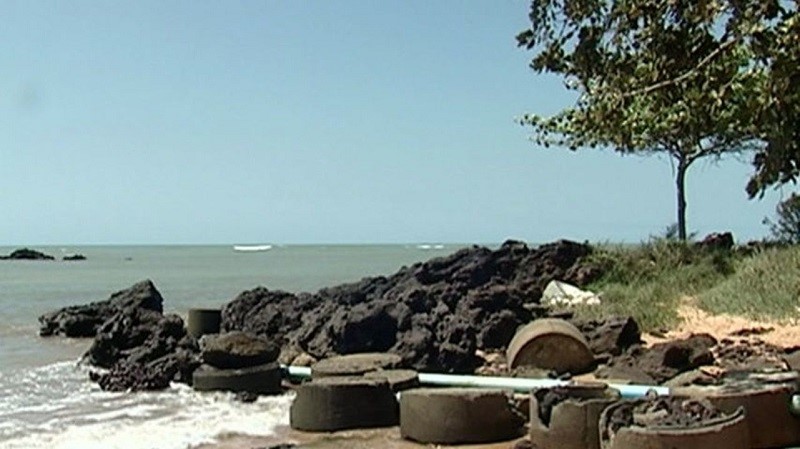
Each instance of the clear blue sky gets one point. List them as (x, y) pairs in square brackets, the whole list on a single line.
[(308, 122)]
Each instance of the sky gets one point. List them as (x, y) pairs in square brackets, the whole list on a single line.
[(223, 122)]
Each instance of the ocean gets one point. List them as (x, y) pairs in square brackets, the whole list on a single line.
[(46, 399)]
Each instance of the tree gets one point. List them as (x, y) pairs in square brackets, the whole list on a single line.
[(777, 49), (786, 227), (683, 78)]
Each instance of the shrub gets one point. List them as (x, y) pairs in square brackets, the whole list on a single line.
[(786, 227)]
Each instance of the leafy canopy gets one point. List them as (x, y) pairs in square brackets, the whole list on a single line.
[(689, 78)]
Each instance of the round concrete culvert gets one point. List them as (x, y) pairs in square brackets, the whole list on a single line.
[(261, 379), (550, 343), (399, 379), (339, 403), (766, 404), (355, 364), (643, 424), (203, 321), (458, 415), (568, 417)]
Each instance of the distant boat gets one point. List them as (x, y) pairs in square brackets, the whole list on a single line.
[(252, 248), (426, 246)]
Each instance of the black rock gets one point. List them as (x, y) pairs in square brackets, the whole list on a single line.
[(74, 257), (237, 349), (610, 335), (717, 241), (27, 254), (128, 375), (662, 361), (84, 320), (433, 314), (137, 335), (142, 348)]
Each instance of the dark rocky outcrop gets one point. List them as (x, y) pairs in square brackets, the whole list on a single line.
[(610, 335), (433, 314), (154, 375), (662, 361), (717, 241), (85, 320), (73, 257), (142, 348), (27, 254)]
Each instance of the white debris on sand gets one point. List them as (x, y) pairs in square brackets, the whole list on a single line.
[(559, 293)]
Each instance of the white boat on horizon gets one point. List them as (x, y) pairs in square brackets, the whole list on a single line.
[(252, 248), (427, 246)]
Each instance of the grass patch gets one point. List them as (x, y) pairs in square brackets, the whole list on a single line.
[(765, 285), (647, 281)]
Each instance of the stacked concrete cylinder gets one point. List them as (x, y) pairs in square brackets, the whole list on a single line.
[(354, 391), (458, 416), (572, 423), (238, 362), (338, 403), (203, 321), (766, 399), (729, 431)]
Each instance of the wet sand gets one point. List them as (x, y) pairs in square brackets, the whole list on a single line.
[(388, 438)]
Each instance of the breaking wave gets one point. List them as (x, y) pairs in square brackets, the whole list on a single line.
[(56, 406)]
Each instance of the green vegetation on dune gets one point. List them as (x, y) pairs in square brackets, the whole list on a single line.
[(765, 285), (648, 281)]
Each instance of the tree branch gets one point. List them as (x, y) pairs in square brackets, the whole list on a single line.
[(682, 77)]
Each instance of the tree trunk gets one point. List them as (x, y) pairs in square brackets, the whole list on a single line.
[(680, 183)]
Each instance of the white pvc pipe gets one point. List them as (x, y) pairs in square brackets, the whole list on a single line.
[(298, 371), (513, 383)]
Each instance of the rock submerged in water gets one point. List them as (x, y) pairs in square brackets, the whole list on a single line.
[(85, 320), (27, 254), (142, 348), (154, 375), (426, 313)]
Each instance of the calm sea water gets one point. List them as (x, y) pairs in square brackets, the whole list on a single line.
[(46, 400)]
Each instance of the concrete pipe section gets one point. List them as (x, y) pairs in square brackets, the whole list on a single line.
[(399, 379), (568, 417), (203, 321), (260, 379), (354, 364), (682, 423), (458, 415), (338, 403), (766, 399), (552, 344)]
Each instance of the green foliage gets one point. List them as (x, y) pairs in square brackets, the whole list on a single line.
[(765, 285), (685, 78), (653, 75), (777, 47), (648, 280), (786, 227)]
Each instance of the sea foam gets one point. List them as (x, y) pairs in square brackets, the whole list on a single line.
[(55, 406)]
